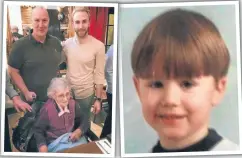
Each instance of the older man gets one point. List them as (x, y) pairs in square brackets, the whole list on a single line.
[(15, 34), (85, 60), (34, 59)]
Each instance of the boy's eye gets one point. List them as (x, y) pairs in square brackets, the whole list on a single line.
[(187, 84), (156, 84)]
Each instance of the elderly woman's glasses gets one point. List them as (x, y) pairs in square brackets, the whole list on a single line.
[(62, 96)]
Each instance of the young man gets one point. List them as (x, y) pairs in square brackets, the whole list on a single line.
[(85, 63), (34, 60)]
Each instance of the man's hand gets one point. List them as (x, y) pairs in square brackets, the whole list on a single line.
[(96, 107), (20, 105), (43, 148), (29, 96), (76, 135)]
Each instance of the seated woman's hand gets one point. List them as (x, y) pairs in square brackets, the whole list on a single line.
[(43, 148), (76, 135)]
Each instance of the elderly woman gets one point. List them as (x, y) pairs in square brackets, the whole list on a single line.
[(60, 124)]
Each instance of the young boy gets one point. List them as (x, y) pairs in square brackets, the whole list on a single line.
[(180, 63)]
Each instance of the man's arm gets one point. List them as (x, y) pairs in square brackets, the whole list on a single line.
[(13, 95), (10, 91), (99, 77), (18, 80), (15, 62)]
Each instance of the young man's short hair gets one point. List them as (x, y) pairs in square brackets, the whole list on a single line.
[(81, 9)]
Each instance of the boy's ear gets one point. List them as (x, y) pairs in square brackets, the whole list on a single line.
[(136, 84), (220, 90)]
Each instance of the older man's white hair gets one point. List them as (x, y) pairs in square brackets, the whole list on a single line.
[(38, 8), (57, 84)]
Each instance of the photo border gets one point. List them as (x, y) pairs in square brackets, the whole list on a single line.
[(4, 68), (180, 4)]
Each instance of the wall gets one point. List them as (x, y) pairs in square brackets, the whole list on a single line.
[(15, 17)]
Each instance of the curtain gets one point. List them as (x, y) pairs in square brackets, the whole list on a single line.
[(98, 22), (9, 35)]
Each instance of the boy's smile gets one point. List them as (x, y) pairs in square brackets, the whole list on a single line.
[(179, 109), (170, 119)]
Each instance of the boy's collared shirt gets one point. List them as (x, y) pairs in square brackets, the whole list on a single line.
[(213, 141)]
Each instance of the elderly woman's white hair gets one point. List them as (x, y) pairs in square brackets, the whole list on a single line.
[(57, 84)]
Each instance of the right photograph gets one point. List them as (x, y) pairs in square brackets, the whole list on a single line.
[(180, 78)]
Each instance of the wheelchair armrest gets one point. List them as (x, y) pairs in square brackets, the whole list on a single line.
[(91, 135)]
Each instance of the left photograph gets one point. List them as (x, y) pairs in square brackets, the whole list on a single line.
[(58, 79)]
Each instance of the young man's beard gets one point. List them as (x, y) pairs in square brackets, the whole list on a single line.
[(83, 35)]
